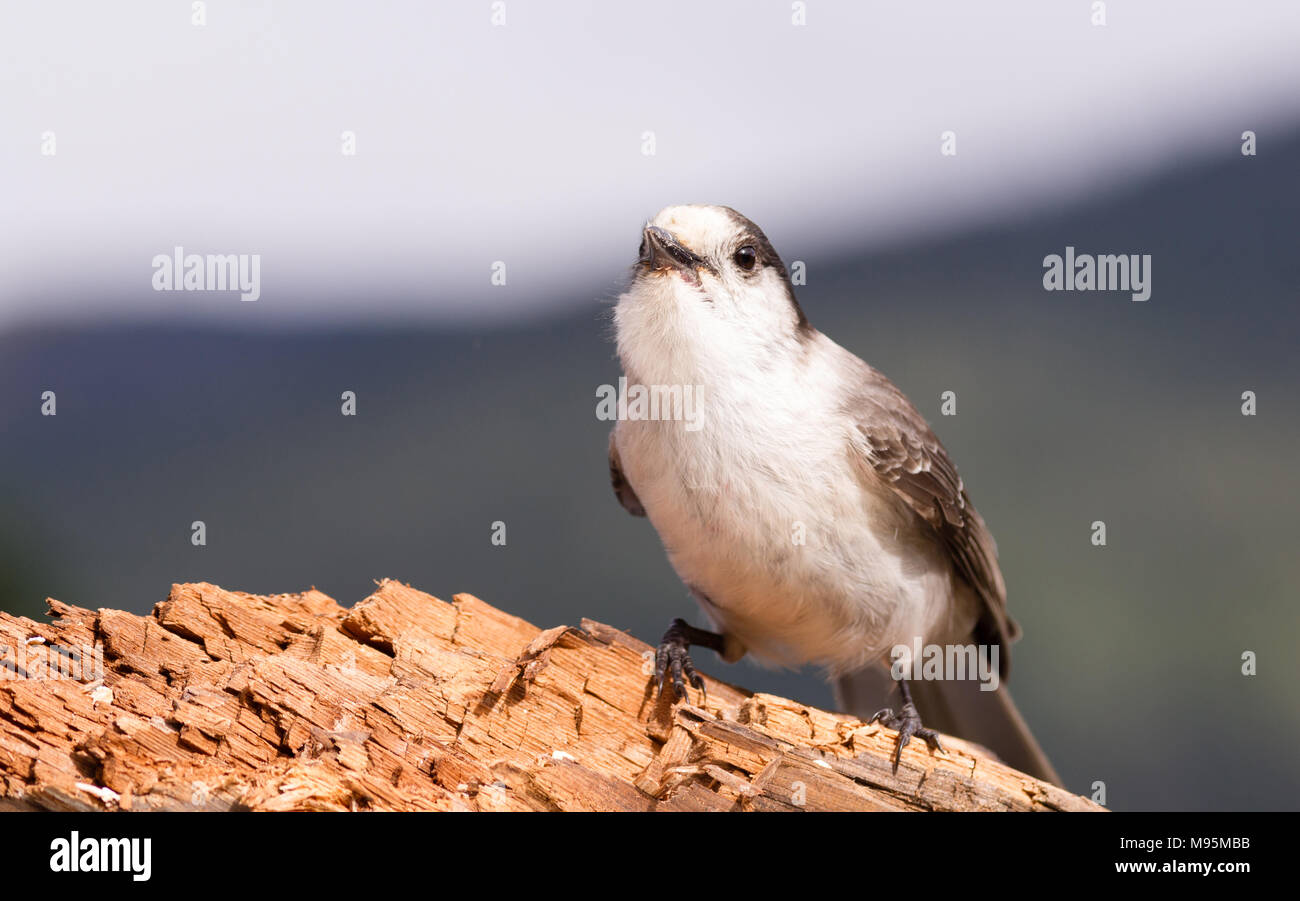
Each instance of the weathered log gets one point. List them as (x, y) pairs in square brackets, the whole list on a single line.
[(224, 700)]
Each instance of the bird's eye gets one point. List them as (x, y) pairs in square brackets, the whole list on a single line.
[(746, 257)]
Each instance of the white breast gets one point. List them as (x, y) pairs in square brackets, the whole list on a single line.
[(763, 512)]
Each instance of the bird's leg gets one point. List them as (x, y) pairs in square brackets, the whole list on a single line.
[(673, 656), (908, 723)]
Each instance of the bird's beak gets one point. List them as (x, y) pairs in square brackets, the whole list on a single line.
[(661, 250)]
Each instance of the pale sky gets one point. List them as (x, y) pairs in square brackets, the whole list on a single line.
[(523, 142)]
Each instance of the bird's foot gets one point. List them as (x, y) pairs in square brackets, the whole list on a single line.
[(673, 659), (908, 723)]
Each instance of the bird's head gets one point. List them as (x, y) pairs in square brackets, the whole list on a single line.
[(707, 281)]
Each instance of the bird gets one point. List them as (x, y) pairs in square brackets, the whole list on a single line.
[(811, 512)]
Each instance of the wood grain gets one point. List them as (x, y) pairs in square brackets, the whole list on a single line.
[(223, 700)]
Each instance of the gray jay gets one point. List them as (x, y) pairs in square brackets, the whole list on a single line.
[(811, 512)]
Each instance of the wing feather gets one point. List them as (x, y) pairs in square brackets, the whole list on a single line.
[(907, 456), (622, 488)]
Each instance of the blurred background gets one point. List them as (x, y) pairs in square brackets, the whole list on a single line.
[(518, 133)]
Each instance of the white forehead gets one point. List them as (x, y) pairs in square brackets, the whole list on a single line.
[(698, 227)]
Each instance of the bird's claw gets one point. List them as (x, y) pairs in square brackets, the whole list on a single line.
[(908, 723), (673, 659)]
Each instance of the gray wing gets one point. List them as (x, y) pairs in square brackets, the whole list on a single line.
[(622, 490), (907, 456)]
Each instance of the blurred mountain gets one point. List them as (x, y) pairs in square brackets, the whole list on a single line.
[(1072, 407)]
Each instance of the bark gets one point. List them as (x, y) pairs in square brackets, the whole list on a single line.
[(223, 700)]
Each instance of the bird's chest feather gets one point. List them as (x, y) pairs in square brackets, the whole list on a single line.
[(761, 512), (743, 483)]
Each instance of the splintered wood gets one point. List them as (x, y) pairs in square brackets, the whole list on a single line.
[(223, 700)]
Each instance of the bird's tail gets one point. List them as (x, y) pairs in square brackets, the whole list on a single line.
[(957, 707)]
